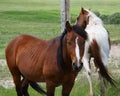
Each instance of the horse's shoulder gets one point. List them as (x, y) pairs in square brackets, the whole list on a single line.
[(54, 41)]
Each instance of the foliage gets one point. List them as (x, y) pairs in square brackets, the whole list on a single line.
[(114, 18), (110, 19)]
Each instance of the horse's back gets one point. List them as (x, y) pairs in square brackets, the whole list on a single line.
[(21, 40)]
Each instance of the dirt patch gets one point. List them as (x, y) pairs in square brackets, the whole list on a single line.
[(7, 83), (115, 50)]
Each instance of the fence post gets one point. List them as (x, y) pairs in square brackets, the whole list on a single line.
[(65, 13)]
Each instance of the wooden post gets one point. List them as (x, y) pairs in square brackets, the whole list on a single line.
[(65, 13)]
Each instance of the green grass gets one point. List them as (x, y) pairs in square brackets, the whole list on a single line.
[(103, 6)]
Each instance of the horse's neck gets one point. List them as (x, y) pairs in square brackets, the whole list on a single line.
[(81, 24)]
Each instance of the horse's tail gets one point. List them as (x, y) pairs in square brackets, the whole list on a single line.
[(38, 88), (97, 56)]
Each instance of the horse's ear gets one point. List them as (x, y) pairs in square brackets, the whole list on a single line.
[(82, 10), (68, 26)]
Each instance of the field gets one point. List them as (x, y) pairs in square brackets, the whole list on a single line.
[(41, 18)]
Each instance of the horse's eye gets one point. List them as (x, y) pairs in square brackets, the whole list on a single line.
[(69, 43)]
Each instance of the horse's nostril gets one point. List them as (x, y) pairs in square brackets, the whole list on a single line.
[(73, 64), (76, 68)]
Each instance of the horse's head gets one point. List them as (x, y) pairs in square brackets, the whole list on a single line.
[(83, 18), (75, 40)]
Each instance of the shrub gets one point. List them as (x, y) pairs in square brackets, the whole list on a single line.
[(104, 18), (114, 18), (110, 19), (97, 13)]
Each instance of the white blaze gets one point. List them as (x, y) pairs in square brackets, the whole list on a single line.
[(77, 51)]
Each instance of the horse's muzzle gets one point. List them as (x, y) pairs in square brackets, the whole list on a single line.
[(76, 68)]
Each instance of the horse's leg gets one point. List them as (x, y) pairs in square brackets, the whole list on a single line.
[(25, 84), (89, 74), (17, 81), (86, 63), (16, 78), (102, 82), (67, 87), (50, 88), (102, 89)]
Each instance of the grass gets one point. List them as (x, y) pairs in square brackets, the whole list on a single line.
[(41, 18), (103, 6)]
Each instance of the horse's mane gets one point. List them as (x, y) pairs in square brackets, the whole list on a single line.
[(79, 31), (60, 59), (93, 18)]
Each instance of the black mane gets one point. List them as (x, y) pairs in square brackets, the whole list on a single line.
[(79, 30), (60, 59)]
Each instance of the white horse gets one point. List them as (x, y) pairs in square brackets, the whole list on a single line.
[(97, 46)]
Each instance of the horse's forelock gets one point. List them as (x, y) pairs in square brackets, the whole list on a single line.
[(79, 30)]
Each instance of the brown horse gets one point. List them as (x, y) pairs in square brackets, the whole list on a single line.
[(97, 46), (55, 61)]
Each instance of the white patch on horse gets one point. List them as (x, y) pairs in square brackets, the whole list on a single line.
[(77, 51), (96, 31)]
